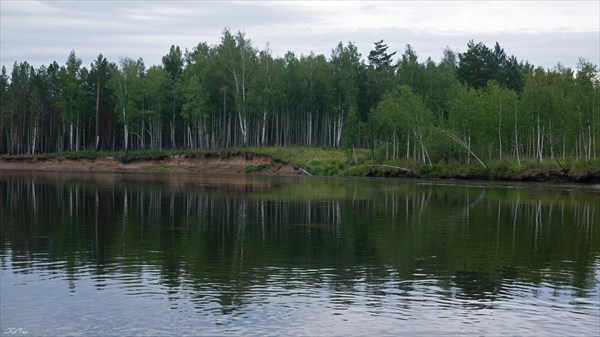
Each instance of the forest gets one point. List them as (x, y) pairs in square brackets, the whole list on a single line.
[(475, 106)]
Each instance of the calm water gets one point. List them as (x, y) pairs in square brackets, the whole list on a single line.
[(142, 254)]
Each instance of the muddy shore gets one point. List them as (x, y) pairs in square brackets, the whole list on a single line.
[(215, 162)]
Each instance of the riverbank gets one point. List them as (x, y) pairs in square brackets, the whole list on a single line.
[(303, 161), (222, 162)]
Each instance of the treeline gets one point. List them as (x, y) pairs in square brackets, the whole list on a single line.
[(481, 104)]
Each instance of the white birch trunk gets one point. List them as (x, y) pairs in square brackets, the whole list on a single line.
[(243, 130), (538, 142), (77, 137), (71, 136), (125, 132), (33, 139), (172, 134), (394, 145), (340, 127), (264, 128), (126, 136), (500, 128), (309, 129), (151, 133), (517, 141), (589, 142)]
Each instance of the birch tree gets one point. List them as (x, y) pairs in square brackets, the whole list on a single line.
[(127, 87), (195, 95), (345, 63), (4, 109), (157, 104), (268, 89), (173, 65), (588, 108), (73, 98), (99, 75), (238, 58)]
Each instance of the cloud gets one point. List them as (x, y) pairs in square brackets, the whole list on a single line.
[(542, 32)]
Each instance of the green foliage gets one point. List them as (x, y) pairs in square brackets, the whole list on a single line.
[(5, 105), (345, 63), (480, 64), (173, 63), (481, 103), (397, 123), (351, 132), (410, 71), (440, 146), (375, 80), (379, 58), (127, 85), (156, 84)]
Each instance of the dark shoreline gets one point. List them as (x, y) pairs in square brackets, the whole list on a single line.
[(530, 175), (249, 162)]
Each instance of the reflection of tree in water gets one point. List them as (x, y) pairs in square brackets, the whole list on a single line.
[(341, 237)]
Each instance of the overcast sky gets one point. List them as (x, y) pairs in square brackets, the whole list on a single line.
[(542, 32)]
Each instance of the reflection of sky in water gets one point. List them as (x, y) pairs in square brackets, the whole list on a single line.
[(284, 301)]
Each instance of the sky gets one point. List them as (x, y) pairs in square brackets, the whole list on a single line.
[(543, 33)]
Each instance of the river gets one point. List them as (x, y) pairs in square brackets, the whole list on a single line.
[(109, 254)]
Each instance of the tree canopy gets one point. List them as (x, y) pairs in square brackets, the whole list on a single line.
[(482, 102)]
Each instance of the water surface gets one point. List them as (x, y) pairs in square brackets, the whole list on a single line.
[(163, 254)]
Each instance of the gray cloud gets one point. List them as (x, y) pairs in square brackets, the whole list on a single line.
[(42, 32)]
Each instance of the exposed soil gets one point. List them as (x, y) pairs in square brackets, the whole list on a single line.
[(212, 162)]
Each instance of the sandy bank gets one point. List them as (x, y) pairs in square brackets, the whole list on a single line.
[(214, 162)]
